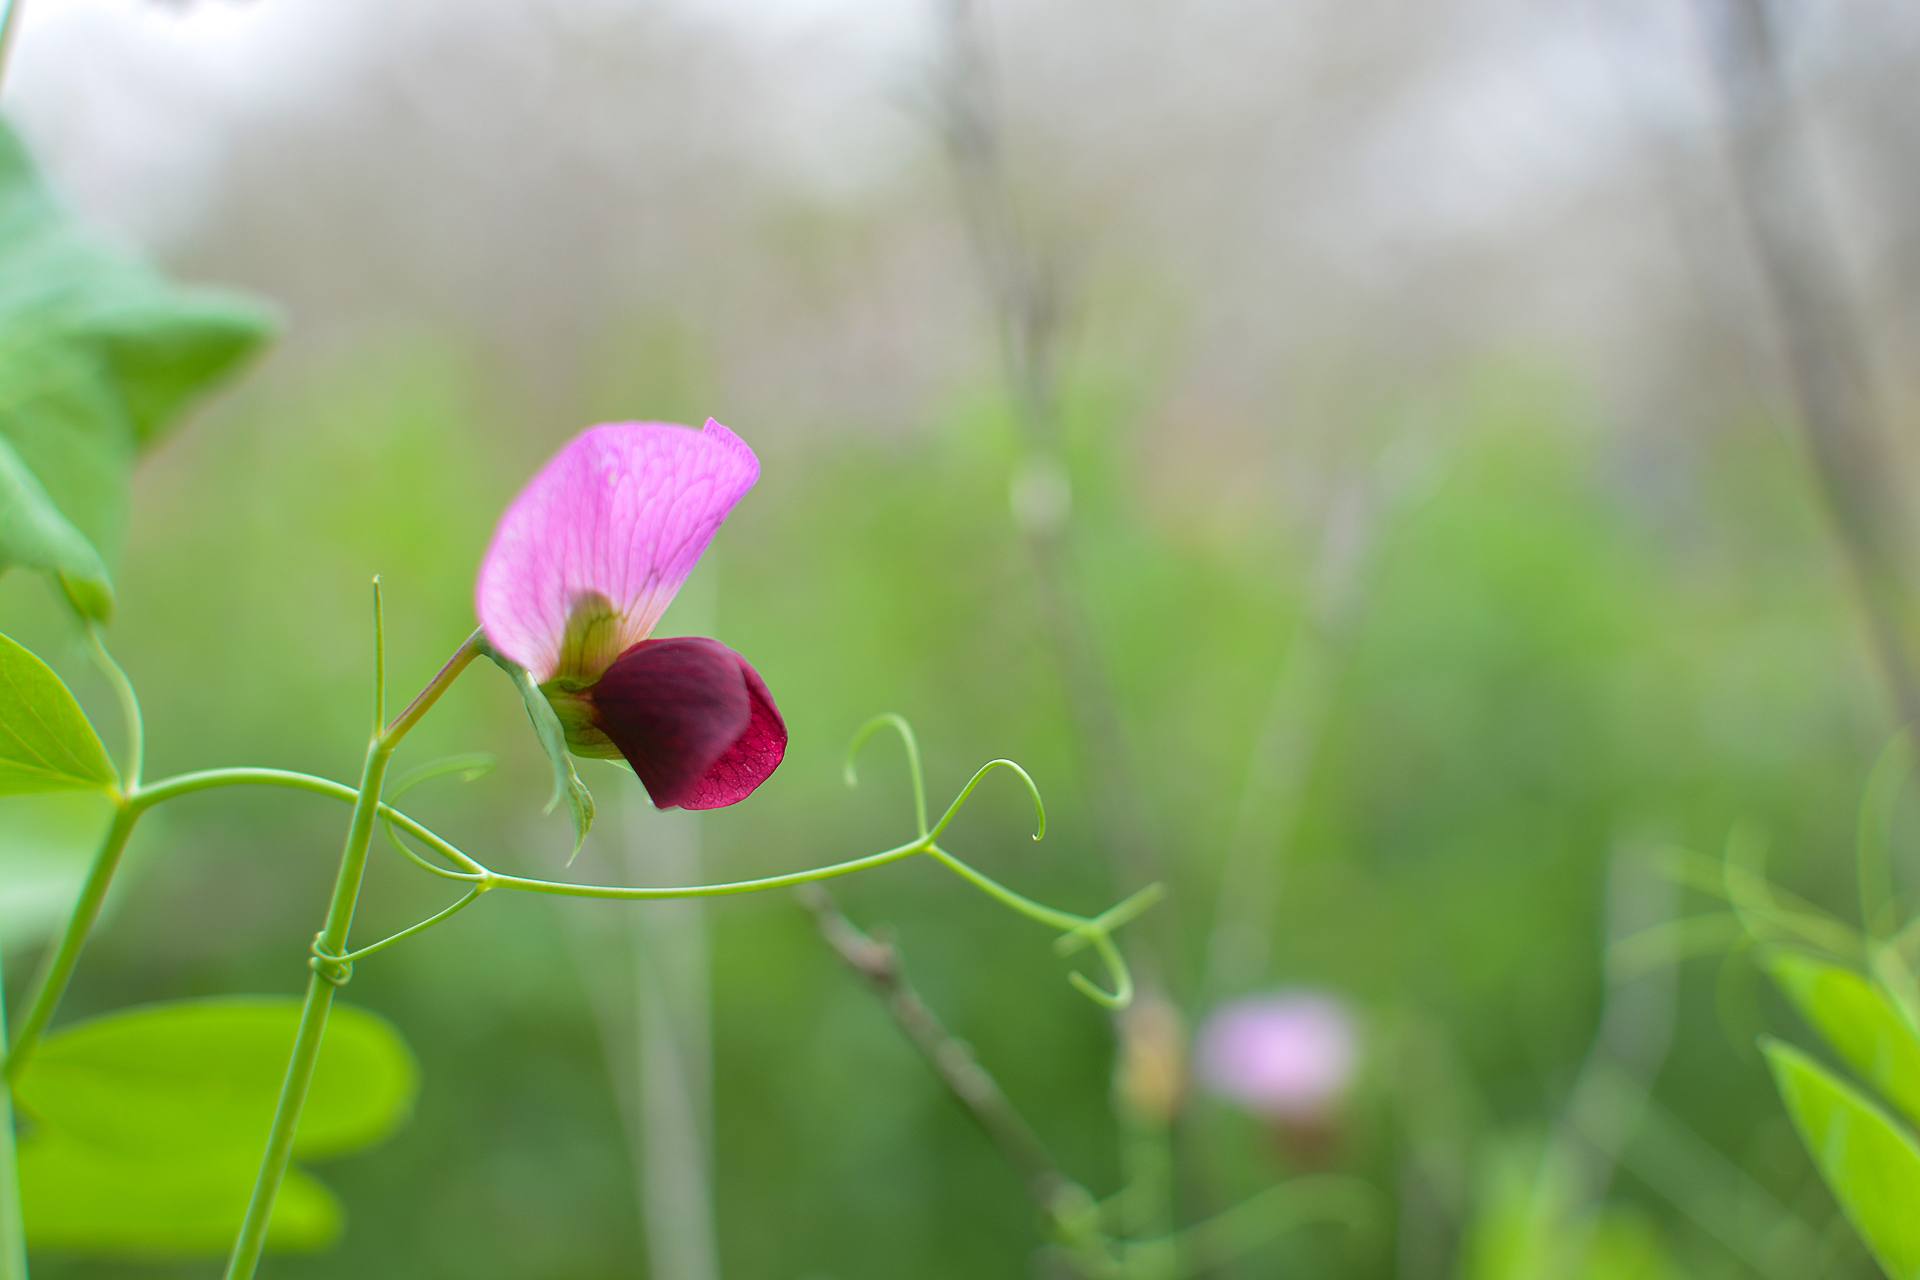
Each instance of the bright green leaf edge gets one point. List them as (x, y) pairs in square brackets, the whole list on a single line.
[(1860, 1023), (1870, 1163)]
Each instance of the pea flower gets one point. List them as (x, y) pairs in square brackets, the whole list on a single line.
[(582, 566), (1289, 1056)]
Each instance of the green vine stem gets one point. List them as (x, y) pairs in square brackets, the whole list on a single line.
[(1076, 931), (330, 969), (57, 971), (331, 962)]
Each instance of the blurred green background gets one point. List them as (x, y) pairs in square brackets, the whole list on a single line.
[(1436, 518)]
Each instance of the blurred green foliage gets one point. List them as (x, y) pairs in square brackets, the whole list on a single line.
[(1554, 660), (98, 356)]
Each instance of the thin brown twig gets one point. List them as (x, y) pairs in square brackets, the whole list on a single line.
[(1825, 353), (878, 964)]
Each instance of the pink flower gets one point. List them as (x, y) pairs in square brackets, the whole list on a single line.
[(582, 566), (1290, 1056)]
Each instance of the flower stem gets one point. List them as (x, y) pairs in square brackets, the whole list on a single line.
[(324, 980), (13, 1231)]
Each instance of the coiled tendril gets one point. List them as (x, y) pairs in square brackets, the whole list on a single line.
[(1076, 931)]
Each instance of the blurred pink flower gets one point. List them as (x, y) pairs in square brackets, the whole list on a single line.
[(583, 564), (1290, 1056)]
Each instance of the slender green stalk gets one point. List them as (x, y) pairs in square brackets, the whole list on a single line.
[(186, 784), (979, 775), (898, 723), (379, 656), (57, 972), (129, 708), (212, 779), (431, 868), (644, 893), (13, 1231), (439, 917), (1076, 930), (1038, 912), (325, 977), (1079, 929)]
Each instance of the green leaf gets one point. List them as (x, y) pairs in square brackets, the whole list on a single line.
[(148, 1124), (46, 743), (1871, 1165), (81, 1200), (197, 1080), (553, 740), (99, 354), (1855, 1017), (34, 535)]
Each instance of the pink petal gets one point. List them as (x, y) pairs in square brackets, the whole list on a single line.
[(1290, 1055), (622, 514), (694, 720)]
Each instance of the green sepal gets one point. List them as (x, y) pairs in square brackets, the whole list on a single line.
[(553, 740)]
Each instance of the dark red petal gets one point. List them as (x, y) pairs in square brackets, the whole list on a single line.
[(694, 720)]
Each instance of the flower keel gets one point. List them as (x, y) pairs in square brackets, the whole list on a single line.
[(693, 718)]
